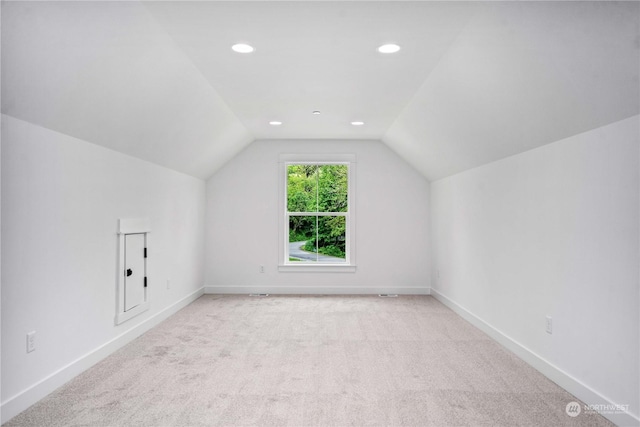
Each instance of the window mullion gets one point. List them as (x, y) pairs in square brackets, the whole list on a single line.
[(318, 213)]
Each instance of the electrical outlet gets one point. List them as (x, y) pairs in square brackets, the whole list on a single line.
[(168, 283), (31, 341), (549, 326), (262, 269)]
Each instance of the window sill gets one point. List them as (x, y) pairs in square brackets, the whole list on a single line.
[(322, 268)]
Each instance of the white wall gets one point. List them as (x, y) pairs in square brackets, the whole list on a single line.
[(392, 203), (61, 200), (551, 232)]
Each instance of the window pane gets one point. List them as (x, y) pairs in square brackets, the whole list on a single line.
[(302, 188), (332, 188), (325, 243), (302, 239), (332, 239)]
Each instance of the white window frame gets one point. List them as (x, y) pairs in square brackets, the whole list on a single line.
[(284, 265)]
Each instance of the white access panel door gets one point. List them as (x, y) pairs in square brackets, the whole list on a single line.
[(134, 270)]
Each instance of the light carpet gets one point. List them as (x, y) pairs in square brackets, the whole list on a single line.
[(310, 361)]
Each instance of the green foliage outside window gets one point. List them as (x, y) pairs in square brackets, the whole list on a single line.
[(312, 189)]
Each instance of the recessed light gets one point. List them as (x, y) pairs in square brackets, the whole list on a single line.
[(242, 48), (357, 123), (389, 48), (275, 123), (316, 112)]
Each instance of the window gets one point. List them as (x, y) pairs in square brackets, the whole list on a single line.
[(317, 213)]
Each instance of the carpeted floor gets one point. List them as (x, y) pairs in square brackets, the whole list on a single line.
[(310, 361)]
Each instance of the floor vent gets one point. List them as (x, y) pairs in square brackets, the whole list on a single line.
[(388, 295), (259, 295)]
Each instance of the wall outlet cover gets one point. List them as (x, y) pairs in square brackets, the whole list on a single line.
[(31, 341)]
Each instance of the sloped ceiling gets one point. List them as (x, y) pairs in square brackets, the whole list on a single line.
[(473, 82)]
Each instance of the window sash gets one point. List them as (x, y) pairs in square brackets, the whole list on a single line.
[(320, 258), (348, 265), (317, 214)]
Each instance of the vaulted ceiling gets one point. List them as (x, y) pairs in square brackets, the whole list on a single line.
[(473, 82)]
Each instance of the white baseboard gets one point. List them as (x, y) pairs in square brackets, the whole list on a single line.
[(555, 374), (21, 401), (317, 290)]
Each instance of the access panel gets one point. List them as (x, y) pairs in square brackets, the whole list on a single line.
[(134, 271)]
